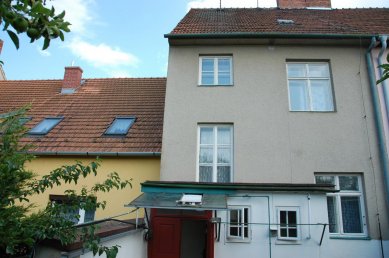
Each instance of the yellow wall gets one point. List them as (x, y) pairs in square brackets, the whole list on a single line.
[(139, 169)]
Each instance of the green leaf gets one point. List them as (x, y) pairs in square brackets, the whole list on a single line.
[(61, 15), (46, 43), (14, 38)]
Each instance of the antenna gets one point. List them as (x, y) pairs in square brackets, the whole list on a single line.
[(257, 4), (220, 4)]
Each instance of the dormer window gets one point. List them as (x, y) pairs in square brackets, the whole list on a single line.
[(24, 120), (45, 125), (120, 126)]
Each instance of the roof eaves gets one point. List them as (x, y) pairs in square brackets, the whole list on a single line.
[(267, 35), (111, 154)]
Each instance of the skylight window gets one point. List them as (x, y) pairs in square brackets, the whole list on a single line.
[(120, 126), (24, 120), (45, 125), (285, 22)]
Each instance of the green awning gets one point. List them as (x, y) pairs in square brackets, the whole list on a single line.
[(172, 201)]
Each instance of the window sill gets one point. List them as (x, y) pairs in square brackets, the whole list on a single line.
[(215, 85), (287, 242), (238, 241), (312, 111), (350, 237)]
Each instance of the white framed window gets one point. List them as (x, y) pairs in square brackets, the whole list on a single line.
[(68, 211), (238, 227), (309, 86), (215, 70), (288, 220), (215, 150), (346, 211)]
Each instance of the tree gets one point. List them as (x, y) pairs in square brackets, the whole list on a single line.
[(20, 227), (385, 67), (34, 18)]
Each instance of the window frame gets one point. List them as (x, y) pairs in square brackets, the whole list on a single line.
[(215, 153), (59, 118), (338, 205), (215, 70), (309, 87), (63, 200), (242, 225), (288, 226), (106, 133)]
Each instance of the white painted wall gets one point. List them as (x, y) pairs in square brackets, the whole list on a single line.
[(308, 246), (132, 245)]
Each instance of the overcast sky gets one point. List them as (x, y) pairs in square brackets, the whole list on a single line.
[(121, 38)]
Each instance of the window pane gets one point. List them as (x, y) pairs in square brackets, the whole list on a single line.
[(207, 78), (207, 72), (206, 135), (332, 214), (206, 155), (298, 95), (224, 78), (207, 65), (283, 232), (296, 70), (223, 174), (224, 71), (351, 215), (325, 180), (224, 65), (223, 135), (205, 174), (223, 155), (318, 70), (120, 126), (321, 95), (292, 232), (348, 183), (89, 215), (283, 217), (292, 220), (45, 126)]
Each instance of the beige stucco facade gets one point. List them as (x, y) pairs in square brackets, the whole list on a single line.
[(271, 143), (136, 168)]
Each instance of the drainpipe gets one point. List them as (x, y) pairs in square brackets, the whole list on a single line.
[(309, 216), (383, 40), (378, 118)]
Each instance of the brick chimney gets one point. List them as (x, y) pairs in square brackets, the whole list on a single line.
[(288, 4), (72, 79)]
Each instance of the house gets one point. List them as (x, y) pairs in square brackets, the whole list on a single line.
[(273, 143), (118, 120)]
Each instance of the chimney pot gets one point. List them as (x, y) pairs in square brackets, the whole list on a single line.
[(72, 79)]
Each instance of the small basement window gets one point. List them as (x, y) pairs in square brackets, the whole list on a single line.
[(45, 125), (120, 126)]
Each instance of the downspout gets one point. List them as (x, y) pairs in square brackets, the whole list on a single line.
[(309, 216), (378, 118), (383, 40)]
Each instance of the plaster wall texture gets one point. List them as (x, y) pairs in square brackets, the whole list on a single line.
[(271, 143), (137, 169)]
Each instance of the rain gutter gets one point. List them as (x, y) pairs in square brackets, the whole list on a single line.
[(265, 35), (378, 117), (108, 154)]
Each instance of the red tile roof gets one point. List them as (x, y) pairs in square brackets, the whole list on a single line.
[(88, 113), (306, 21)]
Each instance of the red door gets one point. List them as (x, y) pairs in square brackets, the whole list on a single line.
[(165, 242)]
